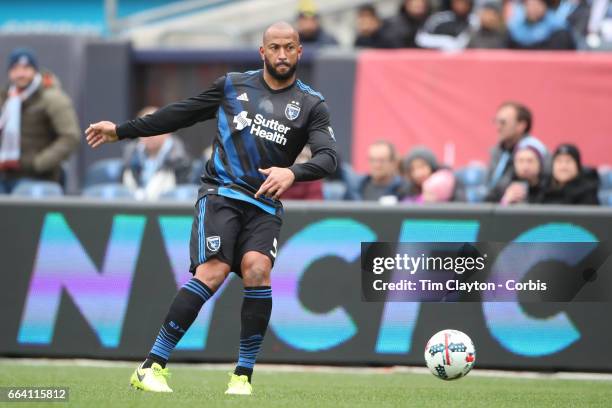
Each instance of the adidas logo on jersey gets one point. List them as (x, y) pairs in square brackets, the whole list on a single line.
[(243, 97), (269, 129)]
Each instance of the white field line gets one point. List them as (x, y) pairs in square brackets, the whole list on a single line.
[(561, 375)]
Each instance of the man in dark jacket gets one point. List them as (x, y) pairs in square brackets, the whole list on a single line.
[(491, 34), (38, 126), (513, 121), (383, 178), (447, 30), (369, 28), (399, 31)]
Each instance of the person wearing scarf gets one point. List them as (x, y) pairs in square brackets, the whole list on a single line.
[(155, 165), (38, 124)]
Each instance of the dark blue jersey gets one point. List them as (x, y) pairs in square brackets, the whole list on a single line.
[(257, 128)]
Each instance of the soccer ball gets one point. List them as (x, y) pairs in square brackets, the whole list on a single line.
[(450, 354)]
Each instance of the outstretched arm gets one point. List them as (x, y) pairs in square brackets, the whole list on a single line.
[(166, 120)]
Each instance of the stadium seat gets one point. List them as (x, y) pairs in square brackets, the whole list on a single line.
[(605, 178), (108, 191), (197, 168), (472, 175), (351, 179), (475, 194), (605, 197), (103, 172), (37, 189), (182, 192), (334, 190)]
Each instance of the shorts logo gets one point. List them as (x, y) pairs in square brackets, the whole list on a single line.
[(292, 110), (213, 243), (274, 250)]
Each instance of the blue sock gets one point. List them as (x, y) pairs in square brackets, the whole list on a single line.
[(255, 315), (183, 311)]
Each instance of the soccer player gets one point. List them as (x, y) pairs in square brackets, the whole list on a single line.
[(264, 119)]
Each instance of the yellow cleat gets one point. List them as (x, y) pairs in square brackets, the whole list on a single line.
[(239, 385), (151, 379)]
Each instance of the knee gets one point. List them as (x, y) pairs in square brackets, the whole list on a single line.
[(256, 270), (212, 273)]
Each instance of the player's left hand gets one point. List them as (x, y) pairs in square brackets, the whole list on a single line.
[(278, 181)]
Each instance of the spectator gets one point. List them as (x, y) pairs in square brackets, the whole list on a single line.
[(155, 165), (400, 30), (534, 25), (526, 185), (426, 180), (308, 25), (513, 121), (576, 14), (369, 28), (439, 187), (491, 33), (447, 30), (570, 182), (305, 190), (383, 179), (38, 126), (599, 24)]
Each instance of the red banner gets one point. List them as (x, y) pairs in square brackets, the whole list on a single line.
[(448, 101)]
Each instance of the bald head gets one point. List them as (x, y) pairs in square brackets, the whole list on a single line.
[(280, 52), (280, 30)]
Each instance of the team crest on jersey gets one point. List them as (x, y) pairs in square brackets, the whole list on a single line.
[(213, 243), (292, 110)]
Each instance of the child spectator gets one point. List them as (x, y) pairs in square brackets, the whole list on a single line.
[(426, 180)]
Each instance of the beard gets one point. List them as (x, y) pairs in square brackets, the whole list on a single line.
[(278, 75)]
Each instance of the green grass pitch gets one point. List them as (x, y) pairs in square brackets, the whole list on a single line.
[(197, 387)]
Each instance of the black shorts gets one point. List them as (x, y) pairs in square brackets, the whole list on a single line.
[(226, 229)]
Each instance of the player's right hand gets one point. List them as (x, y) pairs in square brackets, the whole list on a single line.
[(102, 132)]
